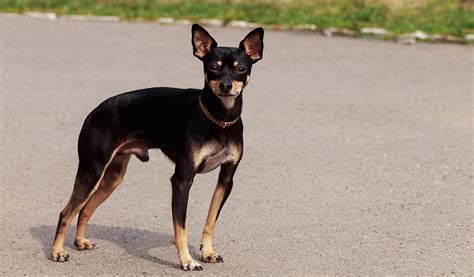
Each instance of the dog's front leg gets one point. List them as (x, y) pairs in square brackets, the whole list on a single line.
[(181, 183), (221, 192)]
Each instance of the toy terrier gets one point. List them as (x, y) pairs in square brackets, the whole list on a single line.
[(198, 129)]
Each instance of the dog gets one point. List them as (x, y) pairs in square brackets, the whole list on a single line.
[(198, 129)]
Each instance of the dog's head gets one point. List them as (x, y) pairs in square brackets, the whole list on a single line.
[(227, 69)]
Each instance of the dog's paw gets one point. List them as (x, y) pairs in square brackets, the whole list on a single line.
[(212, 258), (191, 265), (84, 244), (59, 255)]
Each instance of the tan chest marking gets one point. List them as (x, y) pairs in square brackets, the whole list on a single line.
[(211, 155)]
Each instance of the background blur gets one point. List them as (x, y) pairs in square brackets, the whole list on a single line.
[(448, 17)]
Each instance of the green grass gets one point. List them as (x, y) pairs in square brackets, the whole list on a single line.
[(447, 17)]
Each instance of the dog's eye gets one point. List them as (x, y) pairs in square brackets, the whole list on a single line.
[(214, 67), (240, 69)]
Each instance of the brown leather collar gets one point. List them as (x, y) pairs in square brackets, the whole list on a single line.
[(222, 124)]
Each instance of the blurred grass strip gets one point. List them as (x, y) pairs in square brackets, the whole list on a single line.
[(447, 17)]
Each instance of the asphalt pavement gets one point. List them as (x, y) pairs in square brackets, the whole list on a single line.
[(358, 154)]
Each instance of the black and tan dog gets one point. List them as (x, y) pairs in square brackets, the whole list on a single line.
[(198, 130)]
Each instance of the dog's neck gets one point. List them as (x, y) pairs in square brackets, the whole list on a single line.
[(221, 109)]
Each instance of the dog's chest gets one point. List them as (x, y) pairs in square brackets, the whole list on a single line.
[(209, 156)]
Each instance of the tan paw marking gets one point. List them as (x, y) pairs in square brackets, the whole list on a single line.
[(84, 244), (212, 258), (191, 265), (59, 255)]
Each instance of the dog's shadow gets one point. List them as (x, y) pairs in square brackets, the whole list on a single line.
[(134, 241)]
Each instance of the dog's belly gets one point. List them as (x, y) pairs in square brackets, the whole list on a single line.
[(206, 158), (210, 162)]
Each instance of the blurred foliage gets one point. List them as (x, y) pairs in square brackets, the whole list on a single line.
[(433, 16)]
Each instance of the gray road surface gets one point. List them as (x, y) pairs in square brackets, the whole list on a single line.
[(358, 155)]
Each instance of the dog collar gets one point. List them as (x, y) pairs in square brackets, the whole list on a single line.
[(222, 124)]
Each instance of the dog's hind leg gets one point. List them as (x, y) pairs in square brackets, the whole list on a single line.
[(88, 177), (112, 178)]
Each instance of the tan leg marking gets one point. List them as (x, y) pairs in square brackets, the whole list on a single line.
[(58, 254), (112, 178), (208, 253), (181, 243), (236, 152)]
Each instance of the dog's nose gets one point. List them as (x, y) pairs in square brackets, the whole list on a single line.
[(225, 86)]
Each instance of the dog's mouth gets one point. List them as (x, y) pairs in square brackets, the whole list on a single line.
[(227, 95), (232, 93)]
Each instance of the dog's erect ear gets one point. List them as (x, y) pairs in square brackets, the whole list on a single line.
[(202, 41), (252, 44)]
